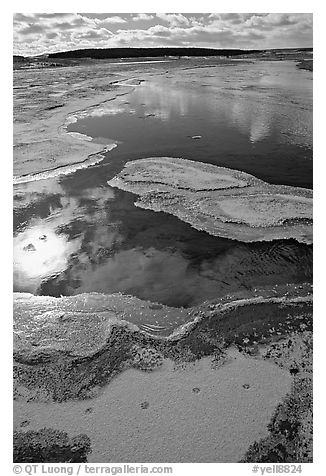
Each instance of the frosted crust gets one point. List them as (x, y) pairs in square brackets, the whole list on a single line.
[(220, 201), (66, 348), (41, 116)]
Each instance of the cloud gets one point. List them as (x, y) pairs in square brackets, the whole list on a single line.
[(143, 17), (37, 33), (114, 19), (31, 29), (90, 34), (174, 19), (52, 35), (271, 21), (198, 35)]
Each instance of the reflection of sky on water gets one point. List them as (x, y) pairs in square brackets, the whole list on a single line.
[(269, 100), (257, 99), (54, 230), (39, 253), (94, 239), (256, 118)]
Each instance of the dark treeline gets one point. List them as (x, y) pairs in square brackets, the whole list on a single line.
[(18, 58), (99, 53), (107, 53)]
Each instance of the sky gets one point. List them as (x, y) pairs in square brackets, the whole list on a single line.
[(38, 33)]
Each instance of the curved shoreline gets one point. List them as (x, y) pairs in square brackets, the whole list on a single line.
[(92, 159), (55, 308), (47, 138), (89, 333)]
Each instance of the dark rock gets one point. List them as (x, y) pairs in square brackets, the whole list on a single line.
[(24, 423), (50, 446), (294, 371), (29, 247)]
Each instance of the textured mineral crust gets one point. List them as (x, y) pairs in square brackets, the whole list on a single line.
[(43, 108), (68, 348), (290, 438), (49, 446), (220, 201)]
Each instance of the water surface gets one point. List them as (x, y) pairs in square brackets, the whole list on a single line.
[(253, 117)]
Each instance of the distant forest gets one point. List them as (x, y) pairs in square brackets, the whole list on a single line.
[(66, 57), (99, 53)]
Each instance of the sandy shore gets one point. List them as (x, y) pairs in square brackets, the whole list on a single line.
[(194, 414)]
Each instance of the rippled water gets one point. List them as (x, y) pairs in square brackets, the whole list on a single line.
[(76, 234)]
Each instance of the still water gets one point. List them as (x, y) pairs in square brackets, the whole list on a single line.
[(75, 234)]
